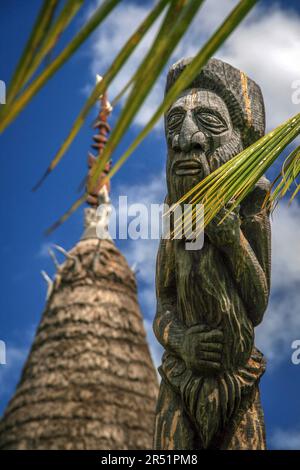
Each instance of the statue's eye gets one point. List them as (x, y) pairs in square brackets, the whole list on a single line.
[(211, 122), (175, 121)]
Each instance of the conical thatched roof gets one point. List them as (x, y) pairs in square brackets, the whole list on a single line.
[(89, 381)]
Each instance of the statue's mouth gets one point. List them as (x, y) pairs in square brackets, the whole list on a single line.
[(187, 167)]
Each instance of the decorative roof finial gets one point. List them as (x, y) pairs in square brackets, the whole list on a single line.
[(99, 196)]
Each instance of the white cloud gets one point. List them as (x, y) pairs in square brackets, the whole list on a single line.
[(281, 325), (285, 439), (286, 246), (108, 42), (118, 28), (266, 46), (43, 251)]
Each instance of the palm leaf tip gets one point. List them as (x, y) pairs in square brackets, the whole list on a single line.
[(41, 180), (285, 180), (66, 215)]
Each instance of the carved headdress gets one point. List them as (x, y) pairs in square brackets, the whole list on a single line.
[(241, 94)]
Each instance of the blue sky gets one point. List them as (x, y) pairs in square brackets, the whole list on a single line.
[(267, 47)]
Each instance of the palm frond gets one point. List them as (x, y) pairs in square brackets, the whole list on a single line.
[(42, 23), (12, 111), (177, 21), (67, 214), (236, 178), (102, 86), (218, 38), (162, 47), (190, 72), (51, 37), (285, 180)]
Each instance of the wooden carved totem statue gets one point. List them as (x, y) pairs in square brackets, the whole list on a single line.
[(210, 300)]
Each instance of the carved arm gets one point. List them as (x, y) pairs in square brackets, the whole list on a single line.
[(199, 346), (244, 240)]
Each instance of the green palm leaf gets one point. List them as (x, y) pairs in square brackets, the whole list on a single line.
[(161, 49), (188, 75), (100, 88), (185, 78), (177, 21), (12, 111), (68, 12), (42, 23), (285, 180), (236, 178)]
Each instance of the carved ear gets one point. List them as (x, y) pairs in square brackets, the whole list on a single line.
[(252, 204)]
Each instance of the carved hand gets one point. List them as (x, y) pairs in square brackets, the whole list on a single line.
[(228, 232), (202, 349)]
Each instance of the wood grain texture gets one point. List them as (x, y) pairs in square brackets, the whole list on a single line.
[(210, 300)]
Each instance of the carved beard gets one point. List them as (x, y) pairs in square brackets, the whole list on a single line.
[(178, 185)]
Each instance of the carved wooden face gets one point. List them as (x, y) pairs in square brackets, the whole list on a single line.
[(200, 137)]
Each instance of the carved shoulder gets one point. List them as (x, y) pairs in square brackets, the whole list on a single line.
[(256, 225), (253, 203)]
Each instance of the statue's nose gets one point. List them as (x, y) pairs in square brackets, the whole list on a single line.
[(190, 136)]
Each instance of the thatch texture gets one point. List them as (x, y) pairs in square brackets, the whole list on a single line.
[(89, 381)]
